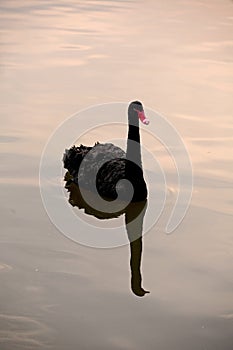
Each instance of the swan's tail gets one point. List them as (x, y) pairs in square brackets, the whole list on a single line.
[(73, 157)]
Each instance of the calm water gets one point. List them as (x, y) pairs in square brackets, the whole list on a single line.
[(58, 57)]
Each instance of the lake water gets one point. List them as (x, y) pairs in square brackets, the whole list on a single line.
[(59, 57)]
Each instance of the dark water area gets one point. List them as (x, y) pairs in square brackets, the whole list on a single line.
[(59, 57)]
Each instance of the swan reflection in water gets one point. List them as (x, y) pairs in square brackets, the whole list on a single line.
[(113, 165), (134, 215)]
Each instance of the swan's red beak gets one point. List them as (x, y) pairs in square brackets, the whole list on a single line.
[(142, 117)]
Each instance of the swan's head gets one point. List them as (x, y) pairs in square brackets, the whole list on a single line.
[(136, 110)]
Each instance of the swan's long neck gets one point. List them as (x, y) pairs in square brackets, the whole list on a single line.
[(133, 151)]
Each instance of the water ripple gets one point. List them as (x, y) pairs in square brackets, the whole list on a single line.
[(22, 332)]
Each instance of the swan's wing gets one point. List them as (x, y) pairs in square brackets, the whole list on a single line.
[(94, 160)]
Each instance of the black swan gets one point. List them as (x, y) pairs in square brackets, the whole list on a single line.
[(120, 166), (134, 215)]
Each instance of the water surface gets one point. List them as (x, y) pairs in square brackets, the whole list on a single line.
[(58, 57)]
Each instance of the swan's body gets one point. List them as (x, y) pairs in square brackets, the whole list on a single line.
[(104, 165)]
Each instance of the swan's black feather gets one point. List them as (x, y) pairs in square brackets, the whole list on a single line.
[(73, 157), (108, 174), (115, 170)]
